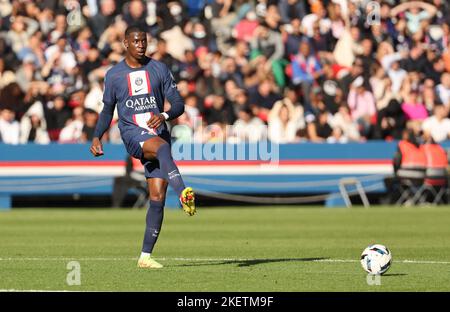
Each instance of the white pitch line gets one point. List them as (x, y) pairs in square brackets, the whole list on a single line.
[(35, 290), (66, 259), (207, 259)]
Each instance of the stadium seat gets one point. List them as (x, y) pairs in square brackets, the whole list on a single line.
[(436, 188), (408, 189)]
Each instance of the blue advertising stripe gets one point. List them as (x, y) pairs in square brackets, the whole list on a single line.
[(311, 184), (58, 152)]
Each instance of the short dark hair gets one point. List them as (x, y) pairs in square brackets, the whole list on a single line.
[(134, 28)]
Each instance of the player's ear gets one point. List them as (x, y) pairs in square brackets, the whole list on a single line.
[(125, 42)]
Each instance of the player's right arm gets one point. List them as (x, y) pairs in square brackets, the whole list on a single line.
[(105, 118)]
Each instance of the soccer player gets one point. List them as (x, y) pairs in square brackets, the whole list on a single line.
[(138, 85)]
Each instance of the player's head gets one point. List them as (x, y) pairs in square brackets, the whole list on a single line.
[(135, 41)]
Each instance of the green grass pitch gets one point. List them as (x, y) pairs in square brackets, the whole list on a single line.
[(226, 249)]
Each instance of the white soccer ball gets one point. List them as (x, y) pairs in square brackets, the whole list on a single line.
[(376, 259)]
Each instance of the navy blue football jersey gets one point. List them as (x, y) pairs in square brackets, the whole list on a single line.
[(138, 94)]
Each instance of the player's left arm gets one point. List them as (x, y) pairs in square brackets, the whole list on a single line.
[(171, 93), (105, 118)]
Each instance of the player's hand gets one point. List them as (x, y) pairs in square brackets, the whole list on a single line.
[(96, 147), (155, 121)]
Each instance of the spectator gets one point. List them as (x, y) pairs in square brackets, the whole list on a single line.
[(73, 130), (27, 73), (415, 12), (291, 9), (430, 98), (59, 27), (268, 43), (443, 89), (218, 110), (262, 98), (189, 69), (362, 105), (330, 88), (319, 129), (437, 126), (56, 115), (33, 127), (348, 129), (391, 65), (177, 42), (94, 99), (229, 72), (248, 128), (245, 28), (305, 69), (292, 36), (9, 127), (21, 30), (414, 108), (135, 13), (90, 120), (283, 122), (318, 14), (104, 17), (91, 60), (191, 108), (241, 54), (13, 97), (346, 79), (162, 55), (6, 76), (390, 121)]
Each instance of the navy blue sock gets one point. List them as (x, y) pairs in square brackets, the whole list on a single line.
[(169, 169), (155, 214)]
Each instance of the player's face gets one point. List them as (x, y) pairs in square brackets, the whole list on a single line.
[(136, 44)]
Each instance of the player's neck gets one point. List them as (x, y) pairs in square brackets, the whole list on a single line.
[(135, 63)]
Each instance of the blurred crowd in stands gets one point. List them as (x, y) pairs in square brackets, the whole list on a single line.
[(286, 70)]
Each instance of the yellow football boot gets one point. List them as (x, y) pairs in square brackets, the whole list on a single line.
[(148, 262), (187, 200)]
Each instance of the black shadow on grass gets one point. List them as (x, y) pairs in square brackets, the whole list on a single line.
[(250, 262), (395, 274)]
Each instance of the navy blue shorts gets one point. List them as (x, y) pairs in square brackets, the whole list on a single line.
[(134, 140)]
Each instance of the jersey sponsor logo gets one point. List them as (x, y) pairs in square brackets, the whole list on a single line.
[(138, 83), (142, 103)]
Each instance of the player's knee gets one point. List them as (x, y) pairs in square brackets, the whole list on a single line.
[(159, 197), (148, 152), (151, 147)]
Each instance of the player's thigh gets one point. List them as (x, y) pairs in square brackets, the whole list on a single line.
[(157, 188), (151, 146)]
